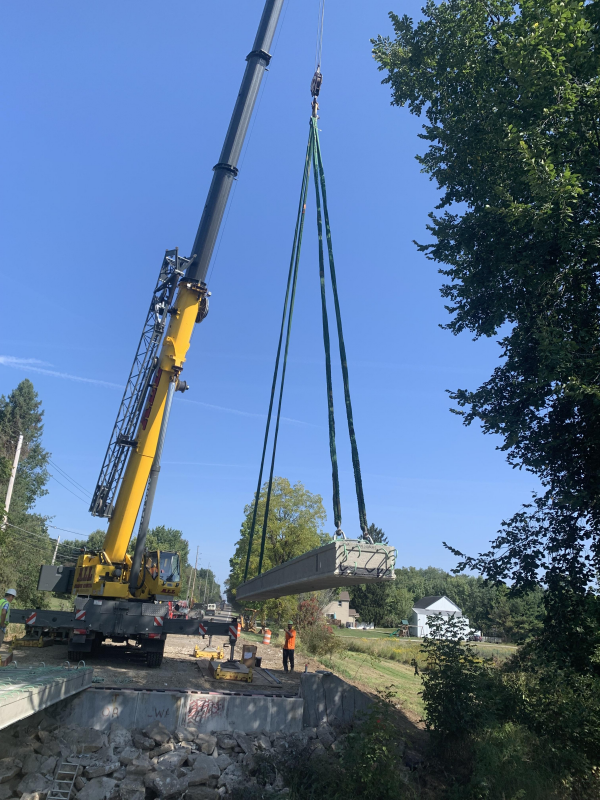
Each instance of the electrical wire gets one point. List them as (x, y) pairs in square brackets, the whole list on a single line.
[(68, 477), (54, 478)]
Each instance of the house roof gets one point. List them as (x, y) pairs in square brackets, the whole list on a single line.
[(427, 602), (352, 612), (345, 596)]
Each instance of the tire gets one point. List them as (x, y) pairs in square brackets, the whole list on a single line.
[(76, 655), (154, 659)]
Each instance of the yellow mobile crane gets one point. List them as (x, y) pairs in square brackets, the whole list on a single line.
[(119, 597)]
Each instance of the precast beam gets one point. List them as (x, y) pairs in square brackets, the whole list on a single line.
[(340, 563)]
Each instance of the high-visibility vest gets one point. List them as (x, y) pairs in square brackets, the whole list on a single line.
[(5, 605), (290, 640)]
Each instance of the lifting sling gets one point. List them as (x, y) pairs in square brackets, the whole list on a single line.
[(313, 160)]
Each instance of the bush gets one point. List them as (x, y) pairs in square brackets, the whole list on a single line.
[(320, 641), (369, 767)]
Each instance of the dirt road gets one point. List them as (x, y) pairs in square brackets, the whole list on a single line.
[(179, 670)]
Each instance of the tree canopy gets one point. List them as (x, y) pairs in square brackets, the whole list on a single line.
[(295, 525), (511, 95), (25, 543)]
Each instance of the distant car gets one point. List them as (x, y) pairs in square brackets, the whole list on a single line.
[(475, 638), (211, 608)]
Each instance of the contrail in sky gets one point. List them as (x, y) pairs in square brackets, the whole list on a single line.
[(32, 365), (29, 364)]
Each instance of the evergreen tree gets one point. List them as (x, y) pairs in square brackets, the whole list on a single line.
[(24, 544)]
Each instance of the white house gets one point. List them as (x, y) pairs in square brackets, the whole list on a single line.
[(340, 611), (427, 607)]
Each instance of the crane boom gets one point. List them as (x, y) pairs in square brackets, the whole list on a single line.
[(191, 293)]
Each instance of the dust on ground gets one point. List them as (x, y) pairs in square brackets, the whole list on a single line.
[(115, 666)]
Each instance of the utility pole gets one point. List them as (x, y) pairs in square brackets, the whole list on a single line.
[(195, 567), (206, 582), (55, 550), (11, 482)]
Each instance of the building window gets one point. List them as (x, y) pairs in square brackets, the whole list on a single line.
[(340, 603)]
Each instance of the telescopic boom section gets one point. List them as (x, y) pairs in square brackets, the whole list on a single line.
[(191, 291)]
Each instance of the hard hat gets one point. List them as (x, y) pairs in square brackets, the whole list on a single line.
[(11, 591)]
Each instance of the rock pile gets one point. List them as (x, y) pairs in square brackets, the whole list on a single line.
[(149, 764)]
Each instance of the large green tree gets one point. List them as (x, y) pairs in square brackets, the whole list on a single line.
[(295, 525), (511, 94), (24, 543)]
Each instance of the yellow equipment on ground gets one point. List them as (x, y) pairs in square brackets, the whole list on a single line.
[(229, 671), (209, 652)]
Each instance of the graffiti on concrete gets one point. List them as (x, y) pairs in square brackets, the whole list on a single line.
[(201, 710)]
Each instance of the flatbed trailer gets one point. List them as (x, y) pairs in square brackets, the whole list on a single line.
[(94, 621)]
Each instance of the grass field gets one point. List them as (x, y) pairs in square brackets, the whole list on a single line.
[(378, 673)]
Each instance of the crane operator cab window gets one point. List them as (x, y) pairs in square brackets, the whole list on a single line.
[(169, 567)]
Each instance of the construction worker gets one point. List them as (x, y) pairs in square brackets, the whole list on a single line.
[(9, 596), (289, 647)]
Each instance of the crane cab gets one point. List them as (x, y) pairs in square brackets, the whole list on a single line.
[(161, 573), (160, 576)]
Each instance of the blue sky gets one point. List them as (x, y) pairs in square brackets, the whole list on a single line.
[(114, 116)]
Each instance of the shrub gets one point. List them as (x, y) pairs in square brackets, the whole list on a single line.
[(369, 766), (320, 641)]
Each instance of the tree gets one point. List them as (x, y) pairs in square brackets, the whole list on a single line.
[(512, 99), (25, 543), (375, 602), (377, 535), (295, 525)]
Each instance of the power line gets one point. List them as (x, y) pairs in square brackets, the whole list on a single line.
[(67, 488), (68, 477)]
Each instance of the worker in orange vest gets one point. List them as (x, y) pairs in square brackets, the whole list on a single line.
[(289, 647)]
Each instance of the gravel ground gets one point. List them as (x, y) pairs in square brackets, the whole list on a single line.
[(179, 670)]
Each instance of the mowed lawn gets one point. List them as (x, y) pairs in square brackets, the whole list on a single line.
[(377, 633), (379, 673)]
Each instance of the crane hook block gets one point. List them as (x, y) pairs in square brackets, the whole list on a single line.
[(315, 84)]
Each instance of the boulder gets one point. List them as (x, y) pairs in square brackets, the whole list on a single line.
[(9, 768), (88, 740), (223, 761), (6, 791), (48, 765), (128, 755), (231, 778), (33, 796), (98, 770), (173, 760), (98, 789), (158, 732), (132, 789), (245, 743), (202, 793), (50, 749), (142, 742), (263, 742), (139, 765), (120, 774), (226, 742), (34, 782), (119, 736), (205, 768), (162, 749), (206, 742), (184, 734), (80, 782), (166, 784)]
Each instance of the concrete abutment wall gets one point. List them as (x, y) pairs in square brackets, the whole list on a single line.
[(324, 698)]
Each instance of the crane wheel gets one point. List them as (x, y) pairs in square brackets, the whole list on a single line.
[(154, 659)]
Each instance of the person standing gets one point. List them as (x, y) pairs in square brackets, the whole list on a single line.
[(289, 647), (9, 596)]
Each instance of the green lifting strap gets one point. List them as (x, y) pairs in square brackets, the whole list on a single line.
[(320, 183), (314, 158), (287, 313)]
